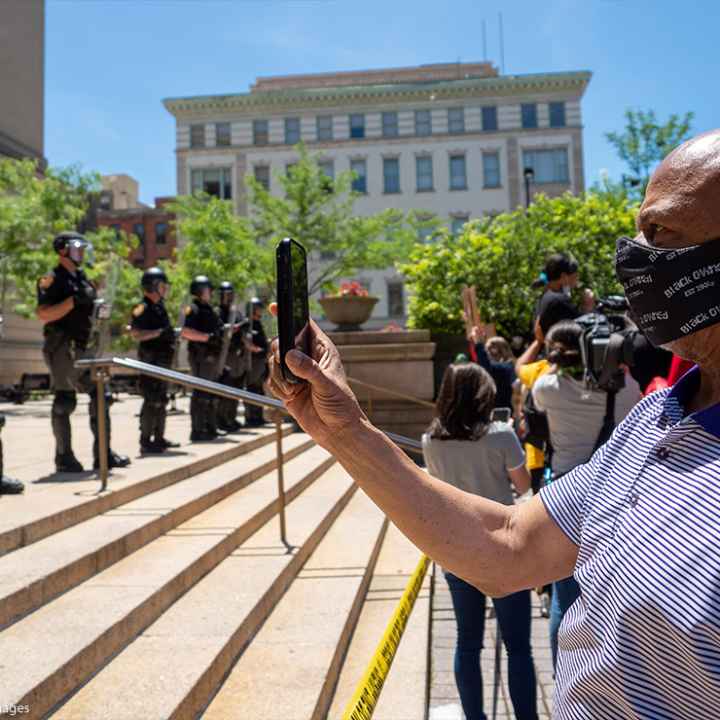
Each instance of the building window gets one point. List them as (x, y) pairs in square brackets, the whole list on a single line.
[(261, 132), (197, 136), (424, 173), (549, 166), (292, 131), (491, 170), (213, 181), (328, 168), (391, 175), (359, 183), (222, 134), (458, 173), (262, 175), (423, 123), (324, 127), (425, 234), (357, 125), (456, 120), (139, 232), (557, 114), (489, 118), (528, 112), (390, 124), (161, 233), (457, 223), (396, 298)]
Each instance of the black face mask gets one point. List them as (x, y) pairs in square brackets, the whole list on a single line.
[(672, 293)]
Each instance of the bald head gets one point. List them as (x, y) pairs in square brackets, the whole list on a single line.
[(682, 202)]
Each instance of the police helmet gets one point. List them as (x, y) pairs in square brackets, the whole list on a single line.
[(64, 239), (256, 302), (152, 277), (199, 283)]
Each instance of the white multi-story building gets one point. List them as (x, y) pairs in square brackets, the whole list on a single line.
[(454, 140)]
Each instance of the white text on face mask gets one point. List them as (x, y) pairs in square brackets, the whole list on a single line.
[(702, 317)]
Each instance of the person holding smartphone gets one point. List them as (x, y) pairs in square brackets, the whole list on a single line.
[(464, 447)]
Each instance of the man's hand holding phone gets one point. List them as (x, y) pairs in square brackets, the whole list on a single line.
[(323, 404)]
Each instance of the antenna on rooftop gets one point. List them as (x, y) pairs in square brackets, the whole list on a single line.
[(484, 41), (502, 45)]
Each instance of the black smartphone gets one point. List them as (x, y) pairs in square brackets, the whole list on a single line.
[(501, 414), (292, 298)]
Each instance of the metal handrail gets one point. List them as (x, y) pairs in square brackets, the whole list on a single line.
[(99, 368)]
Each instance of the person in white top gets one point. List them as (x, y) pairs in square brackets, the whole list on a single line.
[(575, 415)]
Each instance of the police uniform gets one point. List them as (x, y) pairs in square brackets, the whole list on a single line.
[(66, 341), (149, 315), (234, 371), (258, 370), (204, 357)]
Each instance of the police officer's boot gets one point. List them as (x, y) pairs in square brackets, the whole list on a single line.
[(63, 405), (147, 422), (114, 459), (8, 486), (160, 440), (198, 418)]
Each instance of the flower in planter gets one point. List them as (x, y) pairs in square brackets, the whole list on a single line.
[(352, 289)]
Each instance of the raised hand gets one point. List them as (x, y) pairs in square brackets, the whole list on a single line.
[(324, 405)]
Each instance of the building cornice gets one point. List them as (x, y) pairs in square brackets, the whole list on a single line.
[(502, 85)]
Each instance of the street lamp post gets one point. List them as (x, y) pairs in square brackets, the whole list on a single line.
[(529, 174)]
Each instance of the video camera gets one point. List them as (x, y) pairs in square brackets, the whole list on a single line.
[(607, 344)]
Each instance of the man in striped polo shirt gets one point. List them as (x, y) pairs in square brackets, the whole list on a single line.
[(639, 525)]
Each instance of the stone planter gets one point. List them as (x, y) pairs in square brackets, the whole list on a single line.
[(348, 312)]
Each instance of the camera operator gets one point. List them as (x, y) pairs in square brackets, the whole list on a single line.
[(560, 278), (638, 524), (576, 416)]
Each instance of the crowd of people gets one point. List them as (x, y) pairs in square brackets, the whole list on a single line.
[(223, 345), (631, 513)]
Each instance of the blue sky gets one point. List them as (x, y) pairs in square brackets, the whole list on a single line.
[(109, 63)]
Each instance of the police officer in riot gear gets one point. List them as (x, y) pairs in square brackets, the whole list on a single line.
[(8, 486), (151, 327), (233, 373), (66, 300), (258, 367), (203, 330)]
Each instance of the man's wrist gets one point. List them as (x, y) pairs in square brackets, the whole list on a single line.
[(353, 437)]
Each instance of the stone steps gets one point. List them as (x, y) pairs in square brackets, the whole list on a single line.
[(67, 501), (305, 648), (51, 652), (35, 574), (404, 694)]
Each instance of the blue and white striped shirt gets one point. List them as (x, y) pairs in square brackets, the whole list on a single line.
[(643, 639)]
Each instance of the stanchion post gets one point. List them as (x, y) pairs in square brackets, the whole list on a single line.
[(101, 427), (281, 479)]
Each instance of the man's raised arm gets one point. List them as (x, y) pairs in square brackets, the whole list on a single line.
[(497, 548)]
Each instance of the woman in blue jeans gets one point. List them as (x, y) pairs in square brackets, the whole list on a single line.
[(465, 448)]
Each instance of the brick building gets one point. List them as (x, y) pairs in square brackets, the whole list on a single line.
[(153, 226)]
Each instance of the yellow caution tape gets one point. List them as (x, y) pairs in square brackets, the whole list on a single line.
[(362, 704)]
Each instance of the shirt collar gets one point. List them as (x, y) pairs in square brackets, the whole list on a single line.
[(680, 396)]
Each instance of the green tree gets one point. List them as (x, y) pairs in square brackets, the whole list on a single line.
[(502, 256), (34, 207), (645, 142), (317, 211), (216, 243)]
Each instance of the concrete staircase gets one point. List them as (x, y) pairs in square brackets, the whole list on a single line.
[(173, 597)]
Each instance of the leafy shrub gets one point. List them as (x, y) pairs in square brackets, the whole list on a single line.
[(503, 255)]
